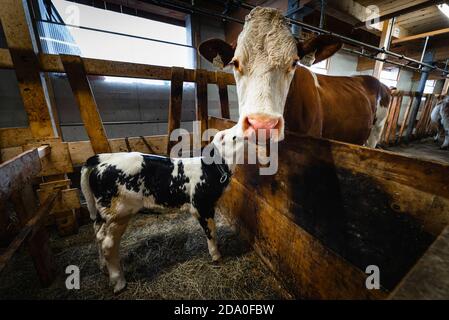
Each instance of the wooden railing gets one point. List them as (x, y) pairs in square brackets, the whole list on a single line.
[(398, 117)]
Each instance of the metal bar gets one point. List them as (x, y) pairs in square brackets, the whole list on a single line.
[(301, 24), (425, 48), (114, 33), (322, 13)]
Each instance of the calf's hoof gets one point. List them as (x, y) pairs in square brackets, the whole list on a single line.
[(120, 286), (217, 259)]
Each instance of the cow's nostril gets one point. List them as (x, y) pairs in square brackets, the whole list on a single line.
[(262, 122)]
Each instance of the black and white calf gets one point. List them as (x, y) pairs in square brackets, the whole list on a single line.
[(118, 185), (440, 117)]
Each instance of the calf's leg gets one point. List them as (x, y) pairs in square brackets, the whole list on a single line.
[(99, 231), (206, 220), (110, 245)]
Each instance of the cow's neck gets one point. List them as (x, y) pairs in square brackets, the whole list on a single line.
[(303, 107)]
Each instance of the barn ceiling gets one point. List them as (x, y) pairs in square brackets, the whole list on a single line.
[(424, 20)]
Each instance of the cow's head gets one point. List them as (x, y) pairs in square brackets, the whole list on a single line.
[(264, 63)]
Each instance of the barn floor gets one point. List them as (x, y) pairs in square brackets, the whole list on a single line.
[(165, 257), (425, 149)]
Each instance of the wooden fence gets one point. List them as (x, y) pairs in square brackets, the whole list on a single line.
[(398, 117)]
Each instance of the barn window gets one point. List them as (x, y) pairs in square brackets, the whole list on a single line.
[(102, 34), (430, 86), (389, 77)]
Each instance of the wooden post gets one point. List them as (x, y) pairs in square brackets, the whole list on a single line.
[(223, 94), (201, 98), (74, 67), (385, 39), (445, 87), (13, 16), (175, 105)]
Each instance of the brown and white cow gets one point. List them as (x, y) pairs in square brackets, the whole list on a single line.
[(273, 86)]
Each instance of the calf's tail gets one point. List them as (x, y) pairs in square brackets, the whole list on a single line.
[(87, 192)]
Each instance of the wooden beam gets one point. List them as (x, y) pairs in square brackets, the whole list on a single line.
[(421, 35), (223, 94), (404, 11), (384, 43), (175, 104), (98, 67), (17, 171), (23, 56), (30, 229), (14, 137), (201, 101), (445, 86), (77, 77)]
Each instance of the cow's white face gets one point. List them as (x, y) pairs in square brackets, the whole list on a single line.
[(264, 64)]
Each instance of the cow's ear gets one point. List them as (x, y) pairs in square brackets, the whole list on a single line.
[(217, 51), (317, 49)]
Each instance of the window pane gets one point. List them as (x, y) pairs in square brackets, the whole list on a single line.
[(100, 45)]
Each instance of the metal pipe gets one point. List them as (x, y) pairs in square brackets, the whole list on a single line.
[(322, 13), (352, 41), (425, 48), (185, 7), (113, 32)]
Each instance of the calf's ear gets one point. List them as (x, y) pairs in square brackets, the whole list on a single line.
[(317, 49), (217, 51)]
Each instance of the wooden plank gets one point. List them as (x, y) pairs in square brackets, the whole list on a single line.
[(58, 162), (29, 230), (14, 137), (80, 85), (80, 151), (425, 176), (223, 94), (201, 101), (175, 105), (69, 199), (26, 65), (429, 279), (306, 267), (368, 182), (389, 120), (17, 171), (392, 133), (9, 153), (98, 67), (421, 35), (405, 120)]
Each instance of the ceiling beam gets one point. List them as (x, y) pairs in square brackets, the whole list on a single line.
[(421, 35), (401, 12)]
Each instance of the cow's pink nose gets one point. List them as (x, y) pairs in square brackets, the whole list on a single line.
[(263, 122)]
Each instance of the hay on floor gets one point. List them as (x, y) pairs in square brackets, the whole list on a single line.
[(165, 257)]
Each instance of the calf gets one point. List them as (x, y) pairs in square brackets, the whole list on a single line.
[(117, 185), (440, 118)]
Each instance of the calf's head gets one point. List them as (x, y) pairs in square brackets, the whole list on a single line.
[(264, 63)]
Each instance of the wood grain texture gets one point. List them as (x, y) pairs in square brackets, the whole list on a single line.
[(175, 104), (82, 91)]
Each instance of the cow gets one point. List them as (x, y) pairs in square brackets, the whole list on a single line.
[(117, 185), (440, 119), (273, 85)]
